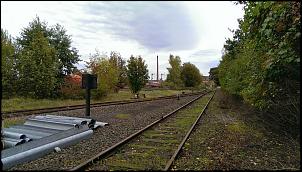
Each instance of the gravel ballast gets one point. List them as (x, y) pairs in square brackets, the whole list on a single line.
[(123, 120)]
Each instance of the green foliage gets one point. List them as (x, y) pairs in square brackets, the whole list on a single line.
[(7, 65), (262, 61), (67, 55), (174, 75), (120, 64), (37, 63), (190, 75), (107, 76), (214, 75), (107, 72), (180, 76), (137, 73)]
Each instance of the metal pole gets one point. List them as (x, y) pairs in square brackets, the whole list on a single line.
[(87, 101)]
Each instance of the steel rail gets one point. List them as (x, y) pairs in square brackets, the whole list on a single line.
[(8, 114), (169, 163), (124, 141)]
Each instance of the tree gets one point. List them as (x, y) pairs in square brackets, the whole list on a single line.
[(116, 60), (93, 62), (262, 61), (107, 72), (66, 55), (37, 62), (137, 73), (8, 64), (214, 75), (107, 76), (190, 75), (29, 33), (58, 38), (174, 75)]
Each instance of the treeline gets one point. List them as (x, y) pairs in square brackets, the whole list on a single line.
[(38, 63), (262, 61), (34, 64), (182, 75), (113, 73)]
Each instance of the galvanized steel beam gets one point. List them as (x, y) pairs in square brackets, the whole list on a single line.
[(40, 142), (27, 132), (11, 134), (77, 118), (37, 152), (34, 128), (9, 142), (65, 120), (47, 124)]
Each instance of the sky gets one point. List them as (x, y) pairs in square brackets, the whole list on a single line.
[(193, 30)]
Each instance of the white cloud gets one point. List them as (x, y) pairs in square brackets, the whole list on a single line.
[(195, 31)]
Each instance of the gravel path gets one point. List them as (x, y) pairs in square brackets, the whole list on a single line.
[(123, 120)]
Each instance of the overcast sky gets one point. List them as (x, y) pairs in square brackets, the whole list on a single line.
[(196, 30)]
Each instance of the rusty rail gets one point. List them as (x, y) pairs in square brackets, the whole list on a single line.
[(8, 114), (124, 141)]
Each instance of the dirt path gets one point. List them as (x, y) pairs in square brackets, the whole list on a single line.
[(232, 136)]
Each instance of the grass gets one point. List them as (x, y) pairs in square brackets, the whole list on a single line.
[(28, 103), (237, 127), (12, 121), (122, 116), (18, 103)]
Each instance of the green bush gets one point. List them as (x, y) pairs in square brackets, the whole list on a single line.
[(262, 61)]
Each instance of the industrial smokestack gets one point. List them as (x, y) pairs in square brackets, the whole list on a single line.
[(157, 68)]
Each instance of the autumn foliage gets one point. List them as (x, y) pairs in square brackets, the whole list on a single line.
[(72, 87)]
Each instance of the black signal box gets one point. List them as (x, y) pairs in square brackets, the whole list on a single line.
[(89, 81)]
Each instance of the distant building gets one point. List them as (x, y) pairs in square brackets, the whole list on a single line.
[(153, 83)]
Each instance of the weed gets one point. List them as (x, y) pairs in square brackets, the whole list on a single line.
[(122, 116), (12, 121), (237, 127)]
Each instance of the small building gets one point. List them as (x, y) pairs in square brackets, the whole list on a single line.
[(153, 84)]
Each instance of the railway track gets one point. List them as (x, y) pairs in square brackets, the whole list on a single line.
[(154, 147), (10, 114)]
